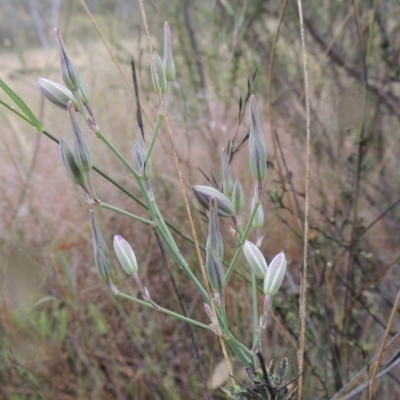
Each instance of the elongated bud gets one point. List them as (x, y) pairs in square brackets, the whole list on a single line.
[(56, 93), (215, 270), (168, 59), (67, 157), (139, 153), (162, 79), (125, 255), (275, 274), (227, 181), (257, 146), (204, 194), (258, 220), (255, 259), (69, 72), (101, 254), (83, 92), (83, 155), (214, 239), (237, 196)]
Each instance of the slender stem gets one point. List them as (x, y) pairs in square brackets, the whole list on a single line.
[(127, 214), (255, 305), (163, 310), (242, 240), (91, 186), (154, 137), (304, 283)]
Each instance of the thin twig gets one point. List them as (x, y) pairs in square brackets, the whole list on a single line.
[(303, 295), (383, 344), (136, 87)]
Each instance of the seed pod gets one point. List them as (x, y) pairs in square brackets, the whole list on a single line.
[(215, 270), (237, 196), (56, 93), (69, 72), (214, 239), (67, 157), (162, 79), (255, 259), (125, 255), (204, 194), (101, 254), (257, 146), (227, 181), (83, 155), (168, 59), (275, 274)]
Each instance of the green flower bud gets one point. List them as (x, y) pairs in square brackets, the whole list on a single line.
[(237, 196), (125, 255), (168, 59), (139, 153), (255, 259), (275, 274), (227, 181), (257, 146), (215, 270), (101, 254), (69, 72), (214, 239), (204, 194), (67, 157), (56, 93), (83, 92), (83, 155), (258, 220), (162, 79)]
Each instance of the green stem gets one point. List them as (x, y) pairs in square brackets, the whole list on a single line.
[(91, 186), (127, 214), (153, 137), (242, 240), (255, 304), (154, 306)]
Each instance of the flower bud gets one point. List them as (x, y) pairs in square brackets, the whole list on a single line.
[(227, 181), (255, 259), (237, 196), (67, 157), (215, 270), (69, 72), (83, 155), (83, 92), (139, 153), (275, 274), (56, 93), (203, 195), (257, 147), (258, 220), (101, 254), (162, 79), (214, 239), (125, 255), (168, 59)]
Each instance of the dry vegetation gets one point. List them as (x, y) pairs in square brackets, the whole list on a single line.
[(64, 336)]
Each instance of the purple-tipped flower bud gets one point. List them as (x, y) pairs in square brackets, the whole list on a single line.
[(258, 220), (83, 155), (275, 274), (69, 72), (255, 259), (237, 196), (162, 79), (56, 93), (101, 254), (215, 270), (67, 157), (125, 255), (227, 181), (204, 194), (168, 59), (258, 152), (214, 239)]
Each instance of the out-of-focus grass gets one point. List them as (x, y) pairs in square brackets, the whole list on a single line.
[(64, 336)]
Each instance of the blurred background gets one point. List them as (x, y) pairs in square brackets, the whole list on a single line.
[(62, 334)]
